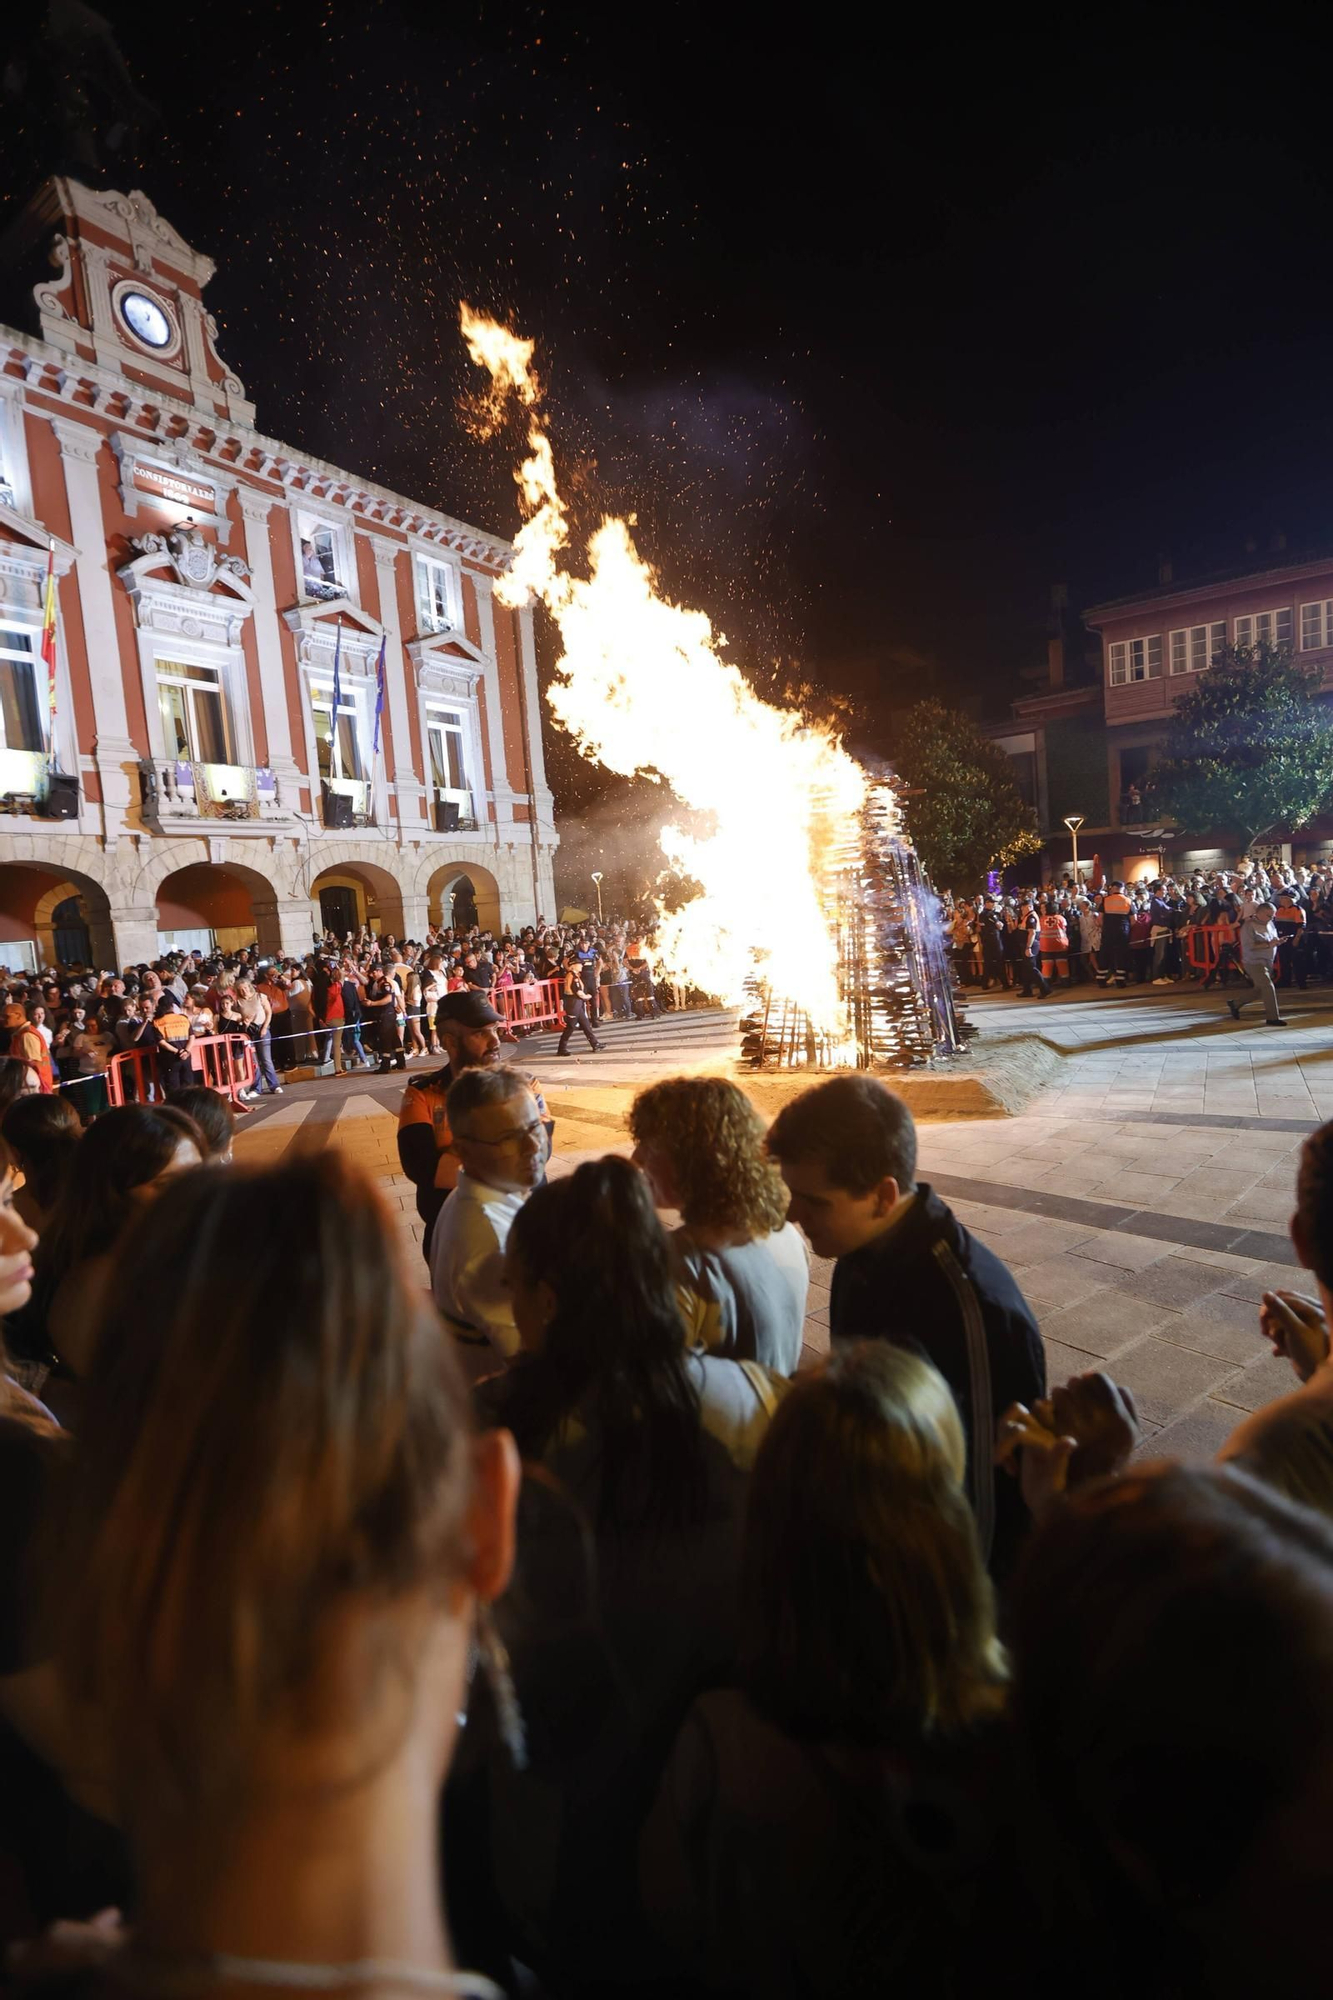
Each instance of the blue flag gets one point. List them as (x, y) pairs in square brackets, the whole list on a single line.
[(379, 696)]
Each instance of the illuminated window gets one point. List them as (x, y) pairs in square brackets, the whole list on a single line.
[(1197, 646), (325, 560), (20, 706), (438, 595), (193, 708), (448, 769), (345, 760), (1136, 660), (1316, 625)]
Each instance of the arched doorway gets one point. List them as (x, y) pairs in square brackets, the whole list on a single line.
[(208, 907), (52, 916), (349, 894), (461, 888)]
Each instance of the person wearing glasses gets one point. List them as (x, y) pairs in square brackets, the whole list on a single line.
[(501, 1144)]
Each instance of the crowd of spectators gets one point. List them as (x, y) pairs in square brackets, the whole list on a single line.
[(1113, 934), (357, 1003), (576, 1627)]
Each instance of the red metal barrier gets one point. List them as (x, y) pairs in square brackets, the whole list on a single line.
[(536, 1005), (1204, 941), (225, 1063), (143, 1064)]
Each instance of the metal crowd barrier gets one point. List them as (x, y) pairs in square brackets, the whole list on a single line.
[(1205, 940), (225, 1063), (535, 1005)]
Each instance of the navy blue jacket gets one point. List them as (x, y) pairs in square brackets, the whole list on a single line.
[(926, 1283)]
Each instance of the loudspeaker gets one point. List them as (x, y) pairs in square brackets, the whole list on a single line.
[(446, 815), (62, 797), (338, 809)]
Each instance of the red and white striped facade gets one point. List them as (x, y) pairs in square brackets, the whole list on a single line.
[(205, 573)]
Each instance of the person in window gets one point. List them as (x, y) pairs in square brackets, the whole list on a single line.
[(312, 571)]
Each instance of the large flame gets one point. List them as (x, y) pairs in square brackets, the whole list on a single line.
[(642, 688)]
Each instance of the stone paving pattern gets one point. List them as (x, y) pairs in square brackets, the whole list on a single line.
[(1141, 1201)]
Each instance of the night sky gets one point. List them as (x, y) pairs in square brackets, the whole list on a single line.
[(878, 330)]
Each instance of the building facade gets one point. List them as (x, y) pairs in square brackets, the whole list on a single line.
[(215, 588), (1086, 746)]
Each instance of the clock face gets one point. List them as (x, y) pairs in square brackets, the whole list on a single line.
[(146, 320)]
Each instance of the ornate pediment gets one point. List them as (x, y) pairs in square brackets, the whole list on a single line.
[(181, 583), (447, 663), (316, 627)]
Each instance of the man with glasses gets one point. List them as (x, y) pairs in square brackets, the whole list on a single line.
[(468, 1028), (500, 1140)]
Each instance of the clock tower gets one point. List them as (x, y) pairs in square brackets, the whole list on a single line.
[(128, 295)]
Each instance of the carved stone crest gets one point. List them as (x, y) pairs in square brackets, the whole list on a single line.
[(196, 561)]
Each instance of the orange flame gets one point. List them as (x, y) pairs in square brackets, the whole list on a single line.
[(643, 689)]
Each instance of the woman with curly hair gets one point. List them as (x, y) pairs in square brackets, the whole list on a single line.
[(744, 1275)]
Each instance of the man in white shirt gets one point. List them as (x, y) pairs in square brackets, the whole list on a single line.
[(500, 1139)]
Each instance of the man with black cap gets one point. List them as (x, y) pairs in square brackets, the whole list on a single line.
[(467, 1026)]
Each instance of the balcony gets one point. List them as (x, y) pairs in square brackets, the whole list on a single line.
[(176, 794), (347, 802), (452, 812), (24, 776)]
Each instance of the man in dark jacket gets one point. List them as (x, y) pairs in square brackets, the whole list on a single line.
[(909, 1272)]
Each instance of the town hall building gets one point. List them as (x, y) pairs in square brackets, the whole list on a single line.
[(195, 781)]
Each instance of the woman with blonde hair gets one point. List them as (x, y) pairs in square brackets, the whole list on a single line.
[(870, 1689), (280, 1543), (744, 1274)]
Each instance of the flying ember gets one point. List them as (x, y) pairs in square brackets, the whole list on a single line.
[(643, 687)]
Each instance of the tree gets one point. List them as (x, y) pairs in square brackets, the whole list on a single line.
[(1250, 746), (967, 815)]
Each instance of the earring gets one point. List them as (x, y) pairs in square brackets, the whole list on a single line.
[(494, 1658)]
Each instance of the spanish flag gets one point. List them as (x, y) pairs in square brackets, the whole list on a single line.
[(49, 645)]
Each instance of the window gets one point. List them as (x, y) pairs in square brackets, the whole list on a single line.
[(438, 595), (1197, 647), (444, 731), (193, 707), (1264, 627), (20, 709), (324, 563), (1316, 625), (1136, 660), (344, 759)]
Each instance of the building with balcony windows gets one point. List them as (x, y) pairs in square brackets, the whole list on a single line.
[(1086, 741), (214, 587)]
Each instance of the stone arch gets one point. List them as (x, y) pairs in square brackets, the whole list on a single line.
[(381, 902), (267, 871), (442, 882), (30, 893), (229, 898)]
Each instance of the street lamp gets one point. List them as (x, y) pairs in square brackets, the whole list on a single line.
[(597, 878), (1074, 821)]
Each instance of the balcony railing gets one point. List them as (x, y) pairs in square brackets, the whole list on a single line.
[(359, 807), (24, 776), (180, 789)]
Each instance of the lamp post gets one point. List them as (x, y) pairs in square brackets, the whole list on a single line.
[(1074, 821), (597, 878)]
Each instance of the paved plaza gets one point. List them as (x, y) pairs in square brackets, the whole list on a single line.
[(1141, 1199)]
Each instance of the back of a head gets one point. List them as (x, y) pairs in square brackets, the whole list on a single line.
[(615, 1335), (211, 1112), (269, 1436), (714, 1139), (124, 1149), (869, 1616), (42, 1133), (858, 1131), (1173, 1640)]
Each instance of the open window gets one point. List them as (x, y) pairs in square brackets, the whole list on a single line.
[(439, 595), (447, 753), (325, 558), (21, 704), (192, 703), (338, 750)]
